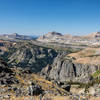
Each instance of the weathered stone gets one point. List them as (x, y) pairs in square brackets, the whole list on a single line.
[(34, 89), (65, 70)]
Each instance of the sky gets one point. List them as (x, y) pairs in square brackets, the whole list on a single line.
[(37, 17)]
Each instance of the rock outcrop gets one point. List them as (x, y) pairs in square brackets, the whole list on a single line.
[(65, 70), (35, 89)]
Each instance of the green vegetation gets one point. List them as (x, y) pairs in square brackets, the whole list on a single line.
[(17, 61), (96, 74)]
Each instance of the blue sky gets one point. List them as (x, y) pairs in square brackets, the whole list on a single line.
[(35, 17)]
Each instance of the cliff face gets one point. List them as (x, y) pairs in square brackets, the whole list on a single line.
[(64, 69)]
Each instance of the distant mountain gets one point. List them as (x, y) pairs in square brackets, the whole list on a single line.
[(93, 35), (93, 38), (50, 36), (14, 36), (53, 34)]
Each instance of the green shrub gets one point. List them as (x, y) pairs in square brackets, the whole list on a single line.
[(96, 74)]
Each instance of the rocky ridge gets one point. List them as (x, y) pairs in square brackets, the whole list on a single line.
[(91, 39), (14, 37)]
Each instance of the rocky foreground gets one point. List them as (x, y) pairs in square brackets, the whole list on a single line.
[(21, 84)]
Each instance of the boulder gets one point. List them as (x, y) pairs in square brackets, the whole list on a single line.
[(35, 89)]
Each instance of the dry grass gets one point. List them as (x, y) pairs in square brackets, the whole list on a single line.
[(25, 79), (95, 98), (24, 82), (51, 97), (38, 98), (87, 56)]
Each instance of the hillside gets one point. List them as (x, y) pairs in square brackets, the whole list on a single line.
[(56, 70), (15, 82), (93, 35), (88, 56)]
